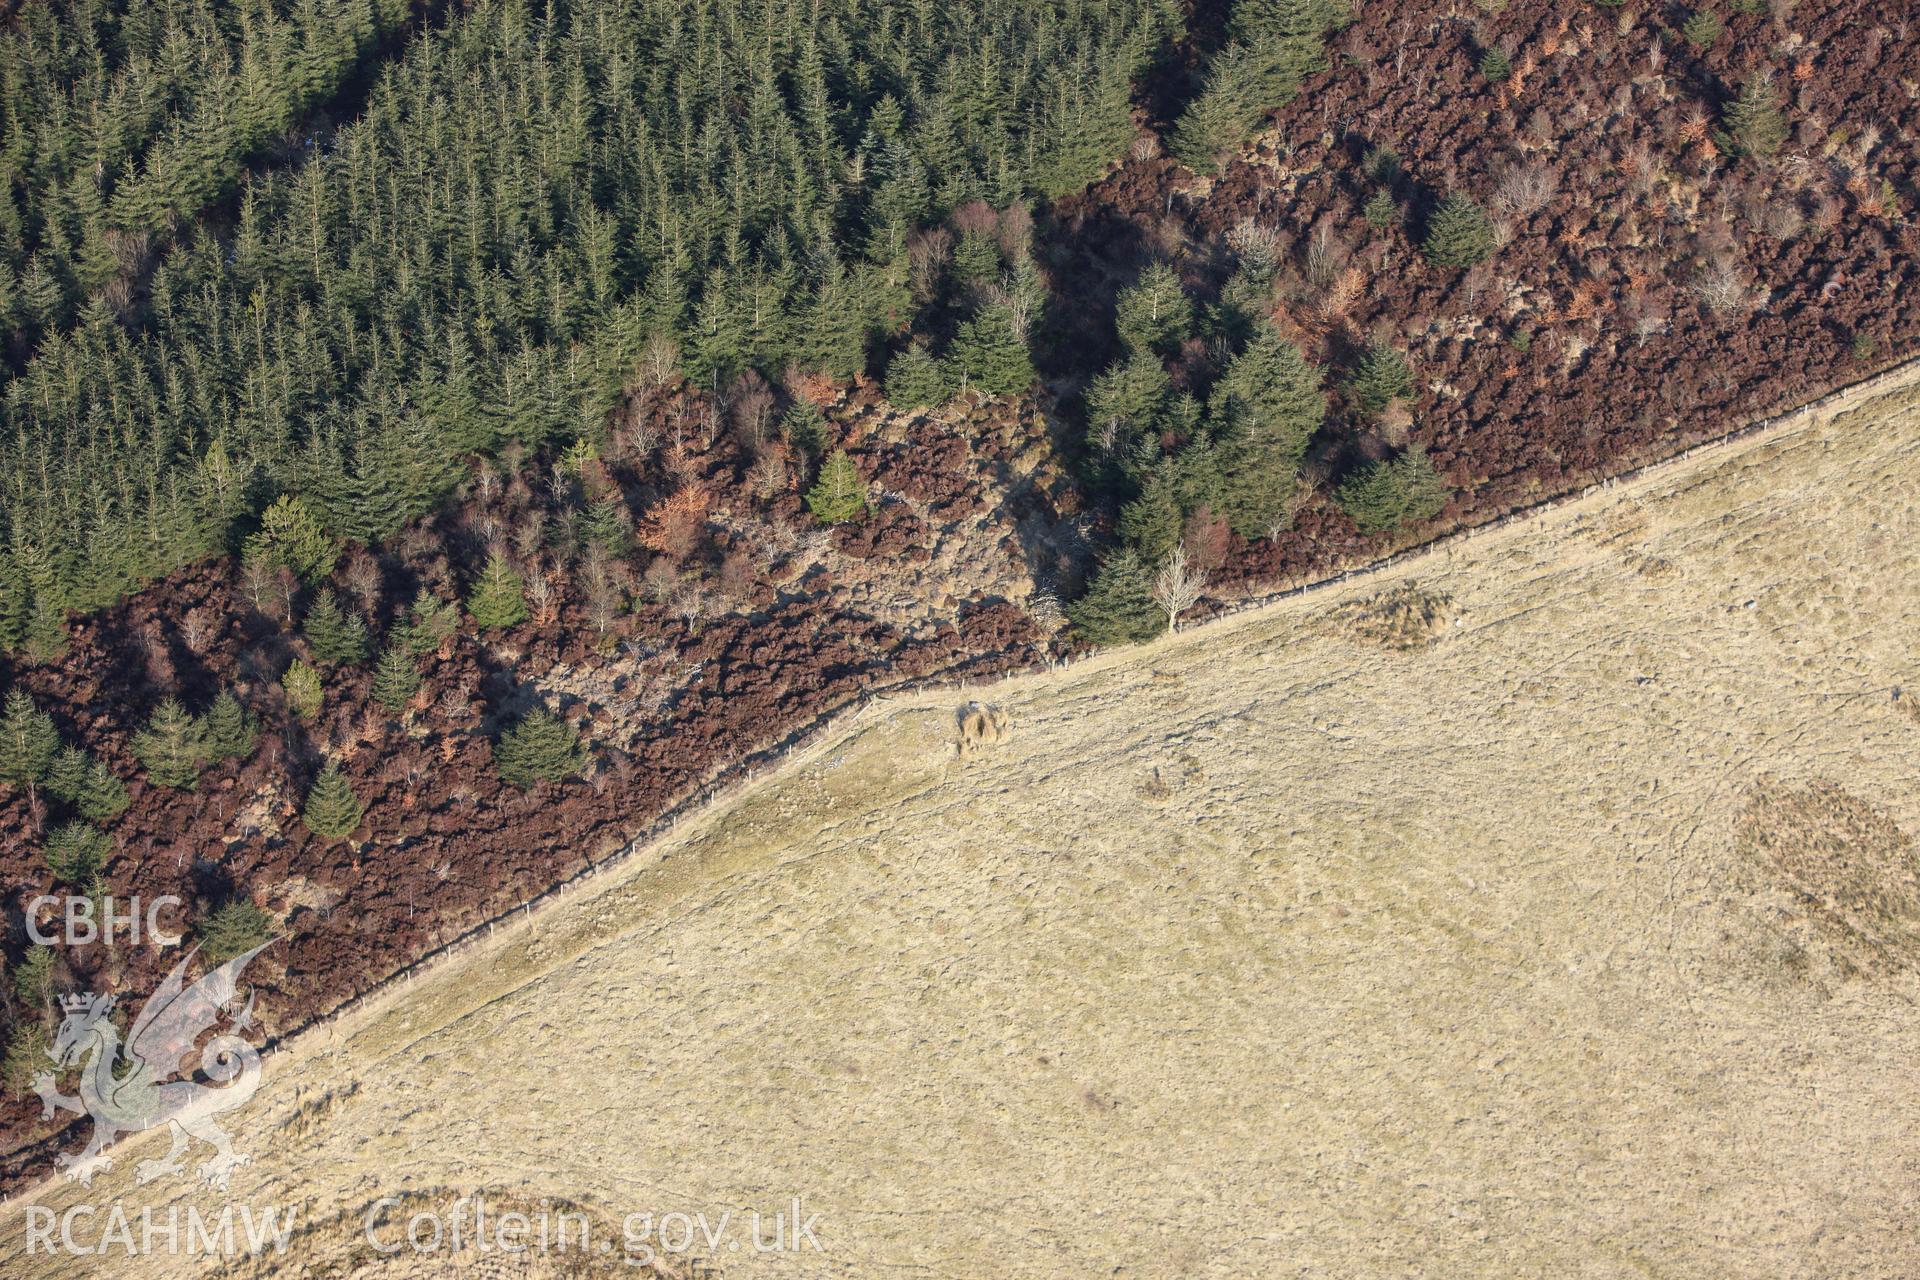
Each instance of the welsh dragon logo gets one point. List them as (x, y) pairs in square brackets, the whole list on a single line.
[(130, 1088)]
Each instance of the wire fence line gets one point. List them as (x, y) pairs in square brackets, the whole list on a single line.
[(781, 749), (1840, 400)]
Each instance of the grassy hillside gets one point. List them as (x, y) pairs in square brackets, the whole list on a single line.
[(1510, 943)]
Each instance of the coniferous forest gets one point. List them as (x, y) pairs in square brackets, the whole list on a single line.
[(532, 193)]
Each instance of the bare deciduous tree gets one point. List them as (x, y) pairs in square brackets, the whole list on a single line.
[(927, 255), (456, 701), (1177, 585), (1015, 231), (1524, 189), (606, 582), (529, 534), (1722, 286), (635, 433), (1301, 495), (543, 594), (769, 476), (975, 217), (1043, 606), (1256, 246), (661, 360), (287, 585), (1782, 220), (752, 403), (690, 600), (1323, 258), (1017, 306), (363, 579), (660, 580), (256, 576), (194, 630)]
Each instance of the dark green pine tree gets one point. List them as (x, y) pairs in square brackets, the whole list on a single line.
[(539, 747), (1274, 382), (663, 307), (1199, 476), (431, 622), (1128, 402), (835, 330), (86, 785), (16, 601), (1088, 121), (499, 598), (372, 478), (1459, 234), (607, 525), (901, 198), (173, 747), (1381, 210), (78, 853), (450, 396), (769, 302), (1118, 607), (914, 380), (33, 614), (1387, 495), (1266, 409), (231, 728), (1702, 28), (1247, 79), (976, 258), (1223, 113), (988, 356), (1752, 122), (718, 343), (405, 470), (66, 778), (1154, 313), (303, 690), (1380, 378), (332, 809), (886, 289), (839, 495), (33, 977), (233, 930), (290, 534), (1150, 524), (28, 742), (336, 635), (396, 678), (805, 427), (1268, 19)]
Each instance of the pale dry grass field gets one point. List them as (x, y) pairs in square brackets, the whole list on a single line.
[(1544, 907)]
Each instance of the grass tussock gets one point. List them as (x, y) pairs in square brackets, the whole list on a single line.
[(1407, 617), (1846, 863)]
